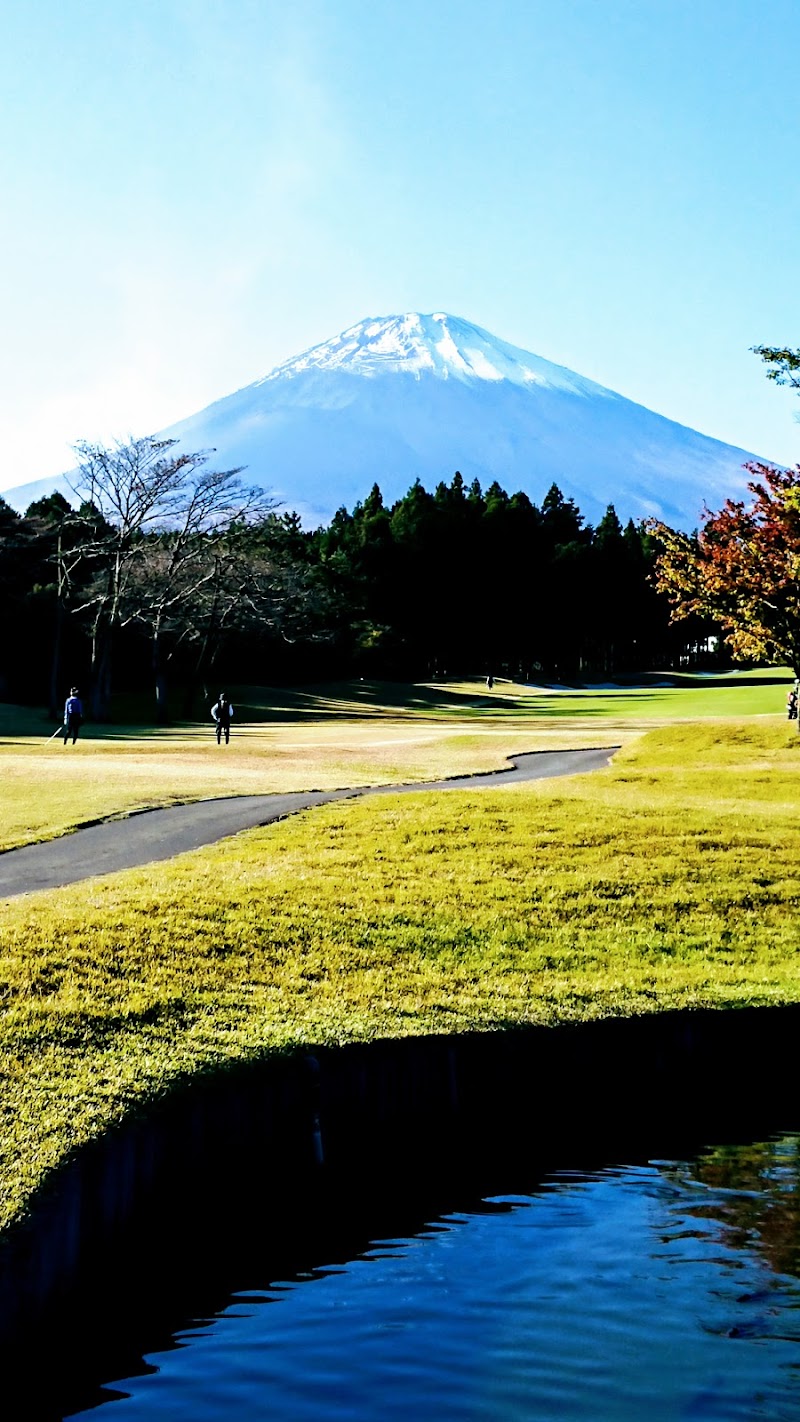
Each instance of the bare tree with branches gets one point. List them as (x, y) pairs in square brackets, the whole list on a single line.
[(152, 518)]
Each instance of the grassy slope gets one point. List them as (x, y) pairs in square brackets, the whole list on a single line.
[(670, 879), (326, 737)]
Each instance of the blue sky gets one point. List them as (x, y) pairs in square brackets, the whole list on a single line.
[(195, 190)]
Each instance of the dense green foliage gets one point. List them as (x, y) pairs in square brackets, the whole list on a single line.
[(462, 580)]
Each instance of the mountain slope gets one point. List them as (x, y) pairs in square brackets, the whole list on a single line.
[(393, 399)]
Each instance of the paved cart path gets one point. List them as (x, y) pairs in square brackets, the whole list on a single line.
[(151, 835)]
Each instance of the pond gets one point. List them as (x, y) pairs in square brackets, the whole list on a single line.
[(668, 1289)]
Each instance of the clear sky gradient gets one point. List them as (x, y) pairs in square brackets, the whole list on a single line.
[(195, 190)]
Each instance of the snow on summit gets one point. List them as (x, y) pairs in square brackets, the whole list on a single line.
[(398, 398), (438, 344)]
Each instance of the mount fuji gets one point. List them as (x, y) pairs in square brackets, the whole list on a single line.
[(420, 396)]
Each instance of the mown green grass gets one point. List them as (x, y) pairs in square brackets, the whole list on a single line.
[(658, 695), (653, 697), (347, 734), (669, 880)]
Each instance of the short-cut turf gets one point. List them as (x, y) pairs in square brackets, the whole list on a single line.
[(357, 733), (669, 880)]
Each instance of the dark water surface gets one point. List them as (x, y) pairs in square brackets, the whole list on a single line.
[(669, 1290)]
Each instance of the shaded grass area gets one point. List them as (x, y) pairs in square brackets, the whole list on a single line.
[(669, 880)]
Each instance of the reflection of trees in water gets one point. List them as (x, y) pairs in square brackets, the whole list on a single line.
[(754, 1192)]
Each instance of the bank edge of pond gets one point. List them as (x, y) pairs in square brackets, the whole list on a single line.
[(372, 1111)]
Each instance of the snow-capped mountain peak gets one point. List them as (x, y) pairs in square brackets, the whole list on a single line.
[(415, 396), (435, 344)]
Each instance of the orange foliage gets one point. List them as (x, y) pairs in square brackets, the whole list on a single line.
[(743, 568)]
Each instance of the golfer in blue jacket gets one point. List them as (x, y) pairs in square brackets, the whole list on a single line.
[(73, 715)]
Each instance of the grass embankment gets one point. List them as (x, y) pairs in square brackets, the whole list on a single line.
[(670, 879), (357, 733)]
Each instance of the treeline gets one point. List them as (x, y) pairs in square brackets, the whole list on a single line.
[(165, 573), (467, 580)]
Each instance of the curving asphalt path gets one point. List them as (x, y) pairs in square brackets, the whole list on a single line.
[(151, 835)]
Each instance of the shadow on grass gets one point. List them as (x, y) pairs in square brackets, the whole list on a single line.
[(375, 700), (399, 701), (354, 700)]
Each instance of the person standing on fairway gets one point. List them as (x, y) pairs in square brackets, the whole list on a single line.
[(223, 713), (73, 715)]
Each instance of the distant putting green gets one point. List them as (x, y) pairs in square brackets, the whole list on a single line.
[(669, 880), (355, 733)]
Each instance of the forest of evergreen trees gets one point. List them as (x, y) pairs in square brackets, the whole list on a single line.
[(460, 581), (466, 581)]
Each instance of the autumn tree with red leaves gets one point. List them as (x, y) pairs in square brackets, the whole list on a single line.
[(743, 568)]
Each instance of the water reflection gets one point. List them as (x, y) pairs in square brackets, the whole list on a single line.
[(753, 1191), (663, 1291)]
